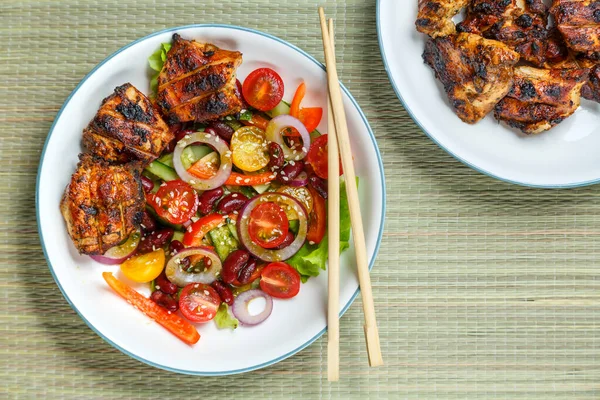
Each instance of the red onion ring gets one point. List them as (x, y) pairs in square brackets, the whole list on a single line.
[(219, 145), (271, 255), (240, 307), (118, 254), (177, 276), (300, 180), (278, 124)]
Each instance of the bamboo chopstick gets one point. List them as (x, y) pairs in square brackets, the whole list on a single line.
[(333, 232), (370, 328)]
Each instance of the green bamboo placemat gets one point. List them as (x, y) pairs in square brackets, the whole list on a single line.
[(483, 289)]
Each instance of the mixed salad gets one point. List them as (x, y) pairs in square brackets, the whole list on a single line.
[(235, 211)]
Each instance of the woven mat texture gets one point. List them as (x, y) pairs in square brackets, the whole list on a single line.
[(483, 289)]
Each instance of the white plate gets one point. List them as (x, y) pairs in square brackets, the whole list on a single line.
[(295, 323), (565, 156)]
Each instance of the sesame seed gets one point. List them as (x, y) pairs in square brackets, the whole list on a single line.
[(203, 306), (143, 226), (222, 243), (235, 212), (153, 249), (297, 158), (234, 195), (311, 242), (304, 149), (272, 176), (169, 312), (187, 136), (292, 163), (207, 136), (196, 286), (206, 292), (285, 178), (246, 180), (157, 287)]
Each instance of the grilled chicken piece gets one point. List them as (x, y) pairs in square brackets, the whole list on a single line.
[(126, 127), (541, 98), (522, 25), (103, 204), (579, 22), (435, 16), (476, 72), (591, 90), (198, 82)]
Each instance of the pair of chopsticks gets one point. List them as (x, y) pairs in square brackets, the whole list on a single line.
[(338, 138)]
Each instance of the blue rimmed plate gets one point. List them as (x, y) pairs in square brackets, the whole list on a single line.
[(295, 323), (566, 156)]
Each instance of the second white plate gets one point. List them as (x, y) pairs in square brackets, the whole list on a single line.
[(566, 156)]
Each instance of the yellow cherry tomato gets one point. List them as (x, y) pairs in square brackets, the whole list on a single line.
[(249, 149), (301, 194), (145, 267)]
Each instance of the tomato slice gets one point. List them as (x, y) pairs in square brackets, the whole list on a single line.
[(170, 321), (317, 219), (263, 89), (317, 157), (268, 225), (280, 280), (249, 149), (196, 232), (199, 302), (145, 267), (175, 201), (302, 194), (310, 117)]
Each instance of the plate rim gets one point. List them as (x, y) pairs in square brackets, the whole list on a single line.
[(432, 138), (37, 200)]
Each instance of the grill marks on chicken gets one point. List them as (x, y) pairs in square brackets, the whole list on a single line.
[(103, 204), (476, 72), (541, 98), (522, 25), (579, 23), (198, 82), (126, 127), (435, 16)]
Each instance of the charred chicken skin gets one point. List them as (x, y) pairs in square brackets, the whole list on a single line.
[(435, 16), (522, 25), (541, 98), (126, 127), (103, 204), (198, 82), (476, 72), (579, 23)]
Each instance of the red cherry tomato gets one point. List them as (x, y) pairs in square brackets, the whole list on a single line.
[(268, 225), (199, 302), (317, 157), (263, 89), (317, 220), (280, 280), (176, 201)]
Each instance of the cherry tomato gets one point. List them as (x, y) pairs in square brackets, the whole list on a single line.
[(317, 219), (317, 157), (280, 280), (199, 302), (310, 117), (176, 201), (268, 225), (249, 149), (145, 267), (263, 89), (196, 232)]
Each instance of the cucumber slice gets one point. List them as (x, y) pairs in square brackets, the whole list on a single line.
[(260, 189), (223, 241), (178, 236), (162, 171), (166, 159), (233, 229), (280, 109)]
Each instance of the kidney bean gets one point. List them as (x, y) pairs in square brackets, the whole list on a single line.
[(319, 185), (224, 131), (233, 264), (147, 184), (224, 291), (175, 247), (231, 202), (289, 238), (207, 200), (171, 146), (276, 159), (155, 240), (290, 171), (165, 285), (164, 300), (247, 271), (148, 224)]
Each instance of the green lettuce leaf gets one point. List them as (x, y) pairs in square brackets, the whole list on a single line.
[(156, 62), (310, 260), (224, 319)]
